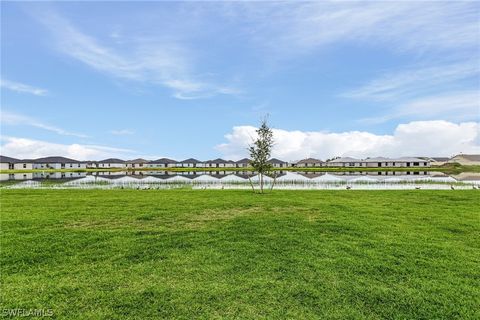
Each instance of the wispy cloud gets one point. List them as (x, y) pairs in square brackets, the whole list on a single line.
[(30, 148), (414, 80), (11, 118), (122, 132), (459, 106), (401, 25), (152, 61), (22, 88)]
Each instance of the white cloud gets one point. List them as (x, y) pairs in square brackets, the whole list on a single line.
[(418, 138), (122, 132), (157, 62), (22, 88), (27, 148), (10, 118)]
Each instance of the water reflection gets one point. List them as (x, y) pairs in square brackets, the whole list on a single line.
[(242, 179)]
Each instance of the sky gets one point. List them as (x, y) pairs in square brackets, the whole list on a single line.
[(92, 80)]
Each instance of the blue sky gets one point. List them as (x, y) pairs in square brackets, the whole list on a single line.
[(91, 80)]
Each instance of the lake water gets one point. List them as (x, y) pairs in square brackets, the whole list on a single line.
[(241, 180)]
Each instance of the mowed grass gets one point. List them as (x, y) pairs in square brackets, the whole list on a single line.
[(140, 254)]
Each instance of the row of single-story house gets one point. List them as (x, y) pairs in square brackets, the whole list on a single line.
[(378, 162), (187, 163), (8, 163)]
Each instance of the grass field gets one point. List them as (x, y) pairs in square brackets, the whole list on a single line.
[(116, 254)]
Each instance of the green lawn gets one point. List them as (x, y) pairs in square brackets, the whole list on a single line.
[(186, 254)]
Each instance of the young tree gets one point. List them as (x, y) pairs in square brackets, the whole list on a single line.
[(260, 152)]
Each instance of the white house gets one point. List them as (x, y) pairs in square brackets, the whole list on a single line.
[(7, 163), (276, 163), (111, 163), (162, 163), (401, 162), (220, 163), (309, 162), (242, 163), (58, 163), (190, 163), (346, 162), (136, 163)]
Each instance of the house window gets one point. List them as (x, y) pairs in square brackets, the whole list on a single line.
[(24, 166), (416, 164)]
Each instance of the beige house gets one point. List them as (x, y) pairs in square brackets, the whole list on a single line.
[(466, 159)]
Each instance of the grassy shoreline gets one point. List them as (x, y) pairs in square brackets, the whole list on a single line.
[(128, 254), (450, 168)]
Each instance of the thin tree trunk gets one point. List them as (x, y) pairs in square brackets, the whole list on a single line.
[(274, 180), (261, 182), (251, 184)]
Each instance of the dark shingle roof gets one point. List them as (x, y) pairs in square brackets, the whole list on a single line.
[(5, 159), (276, 161), (244, 160), (190, 160), (163, 161), (137, 161), (55, 160), (218, 160), (111, 160)]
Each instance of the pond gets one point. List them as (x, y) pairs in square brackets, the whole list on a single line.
[(242, 180)]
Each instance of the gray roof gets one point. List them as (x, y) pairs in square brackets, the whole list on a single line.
[(378, 159), (111, 160), (470, 157), (310, 160), (408, 159), (244, 160), (163, 161), (190, 160), (56, 160), (5, 159), (401, 159), (276, 161), (345, 159), (218, 160), (440, 159), (137, 161)]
